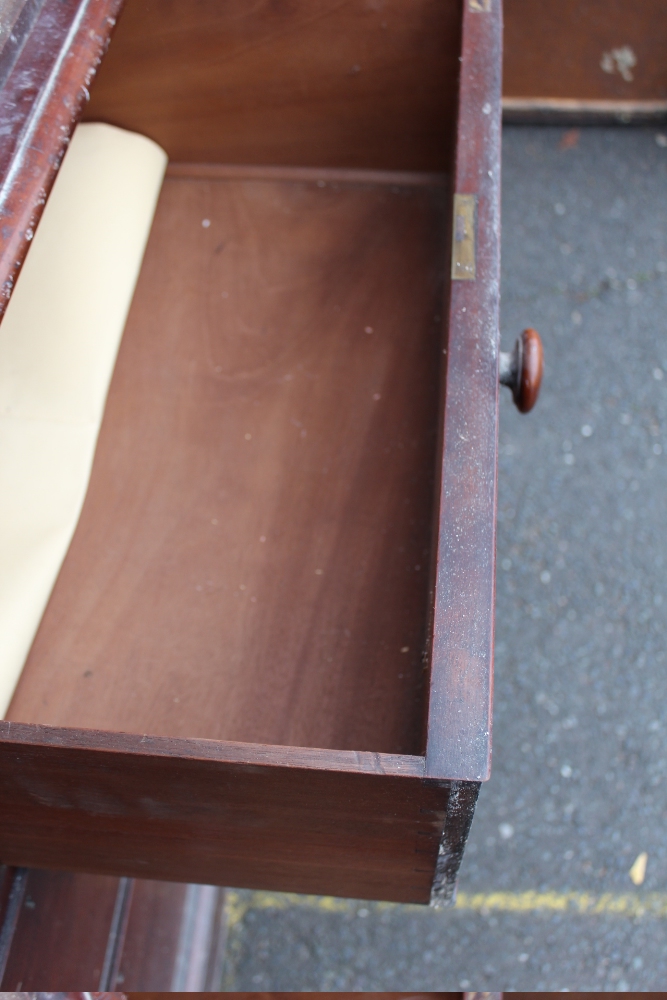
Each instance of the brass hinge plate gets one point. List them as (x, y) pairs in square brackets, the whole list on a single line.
[(463, 237)]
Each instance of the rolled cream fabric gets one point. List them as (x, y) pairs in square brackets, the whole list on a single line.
[(58, 344)]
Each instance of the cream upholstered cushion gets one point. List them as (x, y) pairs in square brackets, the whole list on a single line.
[(58, 344)]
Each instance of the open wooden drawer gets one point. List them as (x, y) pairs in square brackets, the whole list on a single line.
[(267, 659)]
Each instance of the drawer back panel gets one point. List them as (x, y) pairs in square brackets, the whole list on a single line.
[(360, 83)]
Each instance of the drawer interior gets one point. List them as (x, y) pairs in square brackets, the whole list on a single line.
[(253, 558), (321, 83)]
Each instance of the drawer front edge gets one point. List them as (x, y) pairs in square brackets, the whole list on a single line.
[(355, 825)]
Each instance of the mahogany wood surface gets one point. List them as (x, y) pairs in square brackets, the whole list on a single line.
[(521, 369), (461, 676), (375, 98), (152, 936), (346, 824), (71, 932), (309, 996), (554, 48), (343, 821), (299, 996), (532, 366), (40, 102), (310, 82), (61, 937), (251, 562)]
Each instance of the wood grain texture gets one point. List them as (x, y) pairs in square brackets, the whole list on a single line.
[(69, 927), (152, 936), (555, 48), (310, 82), (61, 936), (359, 825), (271, 433), (334, 175), (40, 103), (459, 714), (251, 562), (175, 940)]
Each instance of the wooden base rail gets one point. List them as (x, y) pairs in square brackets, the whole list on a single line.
[(59, 929)]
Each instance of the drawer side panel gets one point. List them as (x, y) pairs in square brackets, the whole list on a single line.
[(459, 725)]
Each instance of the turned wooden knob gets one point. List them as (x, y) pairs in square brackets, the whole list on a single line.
[(521, 369)]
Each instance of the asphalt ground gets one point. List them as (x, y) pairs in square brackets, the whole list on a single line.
[(579, 783)]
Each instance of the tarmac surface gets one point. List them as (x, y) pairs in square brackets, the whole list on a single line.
[(579, 784)]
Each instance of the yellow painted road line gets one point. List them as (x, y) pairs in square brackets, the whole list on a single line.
[(633, 905), (627, 904)]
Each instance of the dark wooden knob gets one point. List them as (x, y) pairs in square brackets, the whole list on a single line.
[(521, 369)]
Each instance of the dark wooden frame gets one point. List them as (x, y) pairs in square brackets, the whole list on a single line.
[(40, 104), (346, 823), (63, 928)]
